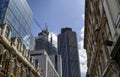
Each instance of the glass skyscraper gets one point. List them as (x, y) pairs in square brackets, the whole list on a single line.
[(67, 48), (18, 14)]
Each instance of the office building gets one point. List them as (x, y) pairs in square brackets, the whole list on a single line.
[(47, 67), (42, 43), (18, 15), (102, 38), (68, 49), (15, 59)]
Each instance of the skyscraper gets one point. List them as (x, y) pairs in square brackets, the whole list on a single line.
[(67, 48), (18, 14), (42, 43)]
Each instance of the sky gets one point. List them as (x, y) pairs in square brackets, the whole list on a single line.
[(57, 14)]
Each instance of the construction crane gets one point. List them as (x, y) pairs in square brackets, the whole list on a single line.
[(46, 27), (38, 24)]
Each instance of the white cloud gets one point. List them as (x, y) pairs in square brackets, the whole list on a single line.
[(83, 16), (82, 54), (83, 57), (54, 38), (82, 33)]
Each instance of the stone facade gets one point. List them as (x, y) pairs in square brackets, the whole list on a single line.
[(102, 35), (15, 59)]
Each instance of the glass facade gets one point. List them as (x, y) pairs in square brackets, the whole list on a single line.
[(18, 14)]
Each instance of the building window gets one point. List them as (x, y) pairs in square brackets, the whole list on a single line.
[(23, 52), (5, 60), (1, 54), (56, 62), (0, 60), (27, 73), (36, 63), (21, 48), (14, 67), (17, 43), (7, 32), (20, 72)]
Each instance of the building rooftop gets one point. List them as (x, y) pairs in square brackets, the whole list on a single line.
[(66, 29)]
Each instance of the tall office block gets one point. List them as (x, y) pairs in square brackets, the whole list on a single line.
[(67, 48), (42, 43), (18, 14)]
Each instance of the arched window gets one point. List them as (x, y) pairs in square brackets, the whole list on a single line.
[(24, 48), (21, 48), (17, 43), (1, 54), (5, 60), (20, 71), (7, 31), (14, 67)]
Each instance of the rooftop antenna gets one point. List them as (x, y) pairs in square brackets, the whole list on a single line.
[(46, 27)]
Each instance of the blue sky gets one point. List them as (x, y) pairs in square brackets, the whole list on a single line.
[(58, 14)]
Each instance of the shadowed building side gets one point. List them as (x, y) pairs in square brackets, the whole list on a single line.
[(67, 48), (102, 38)]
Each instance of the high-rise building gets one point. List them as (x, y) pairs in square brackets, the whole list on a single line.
[(18, 15), (102, 38), (68, 49), (42, 43)]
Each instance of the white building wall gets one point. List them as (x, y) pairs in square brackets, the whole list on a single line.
[(59, 63), (46, 64)]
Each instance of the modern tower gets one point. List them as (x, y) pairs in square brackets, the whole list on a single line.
[(67, 48), (42, 43), (18, 14)]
